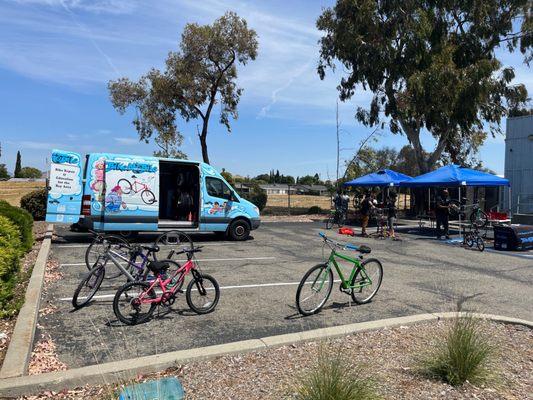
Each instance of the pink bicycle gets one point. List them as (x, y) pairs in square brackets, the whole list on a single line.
[(135, 302), (147, 196)]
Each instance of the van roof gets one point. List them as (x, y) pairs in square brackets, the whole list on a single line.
[(159, 158)]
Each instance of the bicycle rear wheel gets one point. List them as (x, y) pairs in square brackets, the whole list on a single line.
[(127, 305), (330, 221), (95, 253), (369, 275), (314, 289), (172, 240), (88, 287), (202, 293)]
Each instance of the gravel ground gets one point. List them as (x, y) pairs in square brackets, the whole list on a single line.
[(8, 324), (388, 357)]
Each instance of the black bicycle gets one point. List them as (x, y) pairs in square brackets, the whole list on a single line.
[(337, 217)]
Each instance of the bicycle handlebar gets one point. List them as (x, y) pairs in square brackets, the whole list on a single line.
[(348, 246)]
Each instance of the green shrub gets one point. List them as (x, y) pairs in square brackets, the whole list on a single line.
[(257, 196), (35, 203), (335, 377), (465, 354), (315, 210), (22, 219), (10, 252)]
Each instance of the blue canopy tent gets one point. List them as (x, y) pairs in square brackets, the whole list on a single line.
[(453, 176), (381, 178)]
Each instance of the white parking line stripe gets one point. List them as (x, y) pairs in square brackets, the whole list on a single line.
[(259, 285), (164, 245), (199, 260)]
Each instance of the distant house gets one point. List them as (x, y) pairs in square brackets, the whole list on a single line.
[(320, 190), (278, 188)]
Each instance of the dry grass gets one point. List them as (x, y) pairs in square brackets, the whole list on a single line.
[(13, 191)]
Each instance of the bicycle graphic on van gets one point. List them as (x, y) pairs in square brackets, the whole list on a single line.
[(147, 196)]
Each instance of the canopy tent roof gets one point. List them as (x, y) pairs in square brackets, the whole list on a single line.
[(454, 175), (384, 177)]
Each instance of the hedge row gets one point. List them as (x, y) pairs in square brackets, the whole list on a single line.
[(22, 219), (35, 203), (10, 252)]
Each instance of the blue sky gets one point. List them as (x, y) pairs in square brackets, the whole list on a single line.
[(56, 58)]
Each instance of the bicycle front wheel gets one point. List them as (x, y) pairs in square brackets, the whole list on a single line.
[(314, 289), (368, 280), (88, 287), (480, 243), (128, 306), (329, 222), (202, 293)]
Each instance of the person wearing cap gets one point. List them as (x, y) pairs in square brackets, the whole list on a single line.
[(442, 214)]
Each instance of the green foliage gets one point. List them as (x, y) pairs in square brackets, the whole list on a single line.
[(10, 252), (464, 354), (35, 203), (310, 180), (227, 176), (432, 66), (199, 75), (23, 221), (30, 172), (18, 166), (3, 172), (315, 210), (257, 196), (334, 377)]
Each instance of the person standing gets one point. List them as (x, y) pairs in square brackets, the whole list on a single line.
[(366, 207), (391, 214), (442, 214)]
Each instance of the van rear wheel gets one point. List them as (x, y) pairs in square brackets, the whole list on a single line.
[(239, 230)]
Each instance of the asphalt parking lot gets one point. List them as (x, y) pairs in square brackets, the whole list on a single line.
[(259, 278)]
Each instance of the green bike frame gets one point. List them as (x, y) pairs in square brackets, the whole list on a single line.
[(357, 267)]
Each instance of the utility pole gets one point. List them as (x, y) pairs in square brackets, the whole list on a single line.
[(338, 144)]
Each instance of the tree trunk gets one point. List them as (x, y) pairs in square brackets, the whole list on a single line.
[(203, 141)]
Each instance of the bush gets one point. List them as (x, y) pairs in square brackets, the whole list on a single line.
[(464, 355), (35, 203), (315, 210), (335, 377), (22, 219), (10, 252), (257, 196), (30, 172)]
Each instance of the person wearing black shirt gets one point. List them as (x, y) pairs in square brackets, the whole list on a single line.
[(366, 206), (442, 214), (391, 213)]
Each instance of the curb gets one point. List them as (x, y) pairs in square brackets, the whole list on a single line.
[(120, 371), (19, 350)]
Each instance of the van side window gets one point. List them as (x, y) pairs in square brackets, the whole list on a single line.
[(217, 188)]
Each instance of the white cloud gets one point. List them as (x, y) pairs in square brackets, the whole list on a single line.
[(127, 141)]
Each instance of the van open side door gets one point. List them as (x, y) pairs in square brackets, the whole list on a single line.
[(64, 187)]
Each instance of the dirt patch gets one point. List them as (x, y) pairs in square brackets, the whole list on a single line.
[(389, 356), (12, 192), (293, 218)]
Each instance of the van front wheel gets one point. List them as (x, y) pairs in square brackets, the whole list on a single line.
[(239, 230)]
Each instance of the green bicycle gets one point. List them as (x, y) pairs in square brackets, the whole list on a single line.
[(362, 284)]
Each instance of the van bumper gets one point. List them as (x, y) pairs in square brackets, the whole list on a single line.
[(255, 223)]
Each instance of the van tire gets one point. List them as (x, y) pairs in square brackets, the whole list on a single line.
[(239, 230)]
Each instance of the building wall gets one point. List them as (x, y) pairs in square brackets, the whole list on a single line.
[(519, 163)]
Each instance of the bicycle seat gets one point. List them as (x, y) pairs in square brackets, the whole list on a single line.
[(153, 248), (364, 249), (158, 266)]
